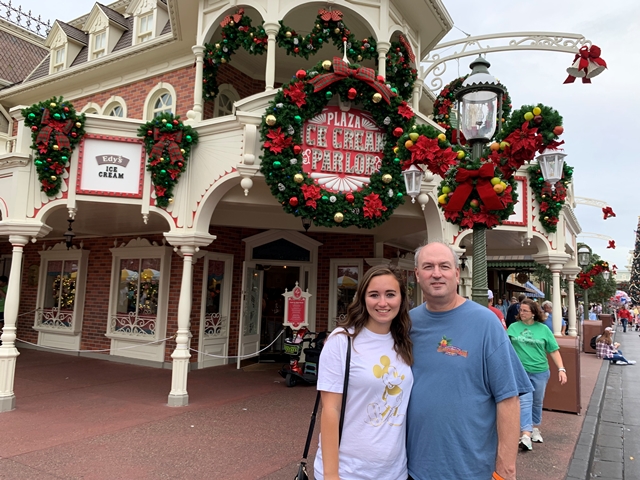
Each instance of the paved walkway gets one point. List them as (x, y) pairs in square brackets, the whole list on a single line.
[(617, 441), (82, 418)]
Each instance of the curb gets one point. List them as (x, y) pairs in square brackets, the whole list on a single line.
[(580, 465)]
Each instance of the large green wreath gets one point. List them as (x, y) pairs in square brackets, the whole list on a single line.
[(56, 129), (281, 131), (238, 32), (550, 202), (168, 143)]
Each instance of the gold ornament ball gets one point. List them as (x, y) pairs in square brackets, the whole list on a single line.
[(318, 26), (546, 218), (56, 147), (271, 120), (217, 46), (326, 65), (232, 23), (288, 34), (164, 120), (386, 178), (544, 196), (53, 178), (52, 105), (359, 58), (223, 60), (298, 178), (182, 151), (376, 98), (78, 124), (171, 200), (338, 217), (336, 31)]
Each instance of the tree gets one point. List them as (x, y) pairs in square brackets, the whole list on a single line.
[(634, 283)]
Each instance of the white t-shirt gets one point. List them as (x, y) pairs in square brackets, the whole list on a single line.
[(374, 433)]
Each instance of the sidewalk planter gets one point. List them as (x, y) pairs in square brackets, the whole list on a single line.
[(606, 319), (590, 328), (565, 398)]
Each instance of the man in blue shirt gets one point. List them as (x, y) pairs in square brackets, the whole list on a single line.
[(463, 420)]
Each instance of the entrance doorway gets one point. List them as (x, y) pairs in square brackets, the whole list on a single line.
[(276, 279)]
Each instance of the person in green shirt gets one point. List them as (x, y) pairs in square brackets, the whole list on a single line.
[(532, 340)]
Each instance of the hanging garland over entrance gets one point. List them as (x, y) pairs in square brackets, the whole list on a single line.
[(326, 197), (168, 142), (237, 32), (56, 129)]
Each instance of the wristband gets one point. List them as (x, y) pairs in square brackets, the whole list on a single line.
[(496, 476), (562, 370)]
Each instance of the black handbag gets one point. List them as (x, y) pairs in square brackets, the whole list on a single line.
[(302, 468)]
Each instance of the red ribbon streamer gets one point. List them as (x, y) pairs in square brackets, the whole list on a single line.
[(168, 141), (59, 128), (236, 17), (329, 15), (341, 70), (483, 185), (407, 46), (585, 55)]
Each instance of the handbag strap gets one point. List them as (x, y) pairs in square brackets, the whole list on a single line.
[(312, 423), (344, 388)]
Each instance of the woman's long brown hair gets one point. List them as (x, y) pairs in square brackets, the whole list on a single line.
[(538, 315), (357, 314)]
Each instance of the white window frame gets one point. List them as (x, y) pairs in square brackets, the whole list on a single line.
[(140, 249), (225, 90), (154, 94), (333, 285), (57, 64), (146, 35), (113, 103), (51, 319), (98, 52)]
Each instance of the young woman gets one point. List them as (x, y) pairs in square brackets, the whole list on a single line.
[(380, 381), (532, 340), (607, 350)]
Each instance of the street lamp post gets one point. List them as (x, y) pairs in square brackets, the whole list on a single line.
[(479, 101), (584, 259), (606, 275)]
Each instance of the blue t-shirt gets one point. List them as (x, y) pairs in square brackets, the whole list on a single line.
[(549, 322), (463, 365)]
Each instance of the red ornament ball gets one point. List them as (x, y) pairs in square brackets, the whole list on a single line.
[(180, 164), (66, 109), (296, 50), (397, 132), (349, 197), (34, 129), (300, 74), (352, 93), (380, 78), (74, 134), (297, 149), (537, 119), (293, 201), (175, 122), (149, 132)]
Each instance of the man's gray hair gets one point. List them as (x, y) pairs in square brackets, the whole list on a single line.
[(546, 303), (456, 260)]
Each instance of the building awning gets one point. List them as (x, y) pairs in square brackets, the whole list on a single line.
[(528, 288), (532, 291)]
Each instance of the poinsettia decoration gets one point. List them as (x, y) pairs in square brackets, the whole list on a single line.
[(550, 201), (585, 279), (168, 143), (282, 130), (56, 129)]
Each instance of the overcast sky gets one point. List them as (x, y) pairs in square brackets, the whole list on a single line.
[(598, 118)]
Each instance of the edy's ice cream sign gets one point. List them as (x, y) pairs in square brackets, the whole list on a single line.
[(342, 149)]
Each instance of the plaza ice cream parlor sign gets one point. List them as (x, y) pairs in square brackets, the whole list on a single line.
[(328, 146)]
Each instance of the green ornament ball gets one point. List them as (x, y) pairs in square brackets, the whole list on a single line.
[(325, 198), (57, 116), (31, 116), (169, 126), (399, 195), (277, 164), (396, 160), (163, 171), (394, 90), (298, 118), (328, 95), (188, 138)]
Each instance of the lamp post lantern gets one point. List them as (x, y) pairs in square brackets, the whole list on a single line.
[(479, 101), (551, 164), (412, 180), (584, 258)]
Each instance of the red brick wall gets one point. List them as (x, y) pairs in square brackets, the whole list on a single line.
[(229, 240)]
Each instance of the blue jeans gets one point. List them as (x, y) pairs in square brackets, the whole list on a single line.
[(618, 357), (624, 325), (531, 403)]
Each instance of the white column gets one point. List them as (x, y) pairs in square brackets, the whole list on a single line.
[(556, 268), (571, 306), (415, 99), (8, 351), (383, 49), (195, 115), (178, 397), (271, 30)]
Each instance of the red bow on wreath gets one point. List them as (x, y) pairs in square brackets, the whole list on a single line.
[(235, 17), (608, 212), (59, 128), (341, 70), (465, 179), (330, 15), (586, 64), (168, 141)]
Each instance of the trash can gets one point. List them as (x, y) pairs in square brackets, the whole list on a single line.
[(606, 319), (565, 398), (590, 329)]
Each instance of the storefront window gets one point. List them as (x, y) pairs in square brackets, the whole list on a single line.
[(137, 296), (345, 275)]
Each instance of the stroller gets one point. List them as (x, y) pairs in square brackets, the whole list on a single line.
[(307, 372)]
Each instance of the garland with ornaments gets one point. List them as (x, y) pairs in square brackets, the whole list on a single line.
[(56, 129), (550, 201), (585, 280), (238, 32), (168, 143), (302, 99)]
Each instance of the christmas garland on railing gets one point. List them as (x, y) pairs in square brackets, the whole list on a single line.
[(168, 143), (237, 32), (585, 279), (550, 202), (56, 129), (301, 100)]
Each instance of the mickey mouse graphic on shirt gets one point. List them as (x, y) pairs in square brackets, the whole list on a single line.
[(387, 409)]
